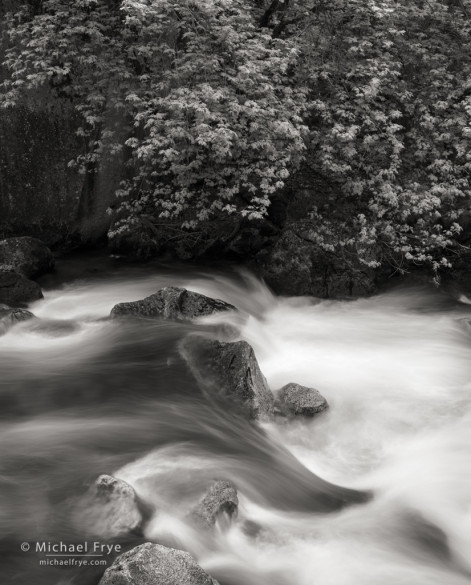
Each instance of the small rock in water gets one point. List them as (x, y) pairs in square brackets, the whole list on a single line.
[(229, 369), (15, 315), (109, 509), (220, 498), (17, 290), (174, 303), (154, 564), (8, 317), (27, 256), (301, 400)]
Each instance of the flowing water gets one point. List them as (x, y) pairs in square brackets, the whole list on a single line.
[(81, 395)]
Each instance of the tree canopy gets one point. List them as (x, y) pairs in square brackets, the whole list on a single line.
[(217, 105)]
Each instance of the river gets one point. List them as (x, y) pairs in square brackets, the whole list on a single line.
[(81, 395)]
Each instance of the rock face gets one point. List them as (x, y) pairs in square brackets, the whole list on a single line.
[(110, 509), (153, 564), (27, 256), (220, 498), (16, 290), (229, 369), (300, 400), (296, 266), (172, 303)]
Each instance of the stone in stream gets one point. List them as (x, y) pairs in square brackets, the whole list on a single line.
[(220, 498), (300, 400), (110, 509), (55, 327), (16, 290), (154, 564), (231, 370), (27, 256), (15, 315), (174, 303), (8, 317)]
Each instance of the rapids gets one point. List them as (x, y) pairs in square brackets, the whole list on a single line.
[(81, 395)]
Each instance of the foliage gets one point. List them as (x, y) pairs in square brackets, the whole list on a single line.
[(197, 94), (214, 104), (390, 106)]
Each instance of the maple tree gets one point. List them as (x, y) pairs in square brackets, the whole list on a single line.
[(215, 105)]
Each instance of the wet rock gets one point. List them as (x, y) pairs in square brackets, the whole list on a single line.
[(300, 400), (55, 327), (296, 265), (221, 498), (27, 256), (110, 509), (172, 303), (8, 317), (16, 290), (15, 315), (231, 370), (154, 564)]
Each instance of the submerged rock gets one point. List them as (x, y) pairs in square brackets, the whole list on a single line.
[(172, 303), (28, 256), (220, 498), (16, 290), (301, 400), (154, 564), (55, 327), (110, 509), (229, 369)]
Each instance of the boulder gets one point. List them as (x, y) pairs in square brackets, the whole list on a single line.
[(109, 509), (154, 564), (220, 498), (231, 370), (174, 303), (16, 290), (300, 400), (28, 256), (296, 265)]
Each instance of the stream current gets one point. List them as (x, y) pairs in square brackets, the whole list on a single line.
[(82, 395)]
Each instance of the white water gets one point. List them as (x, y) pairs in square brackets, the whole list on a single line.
[(396, 371)]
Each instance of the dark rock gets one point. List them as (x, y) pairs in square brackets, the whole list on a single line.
[(109, 509), (229, 369), (16, 290), (28, 256), (221, 498), (297, 399), (154, 564), (8, 317), (15, 315), (298, 266), (172, 303)]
